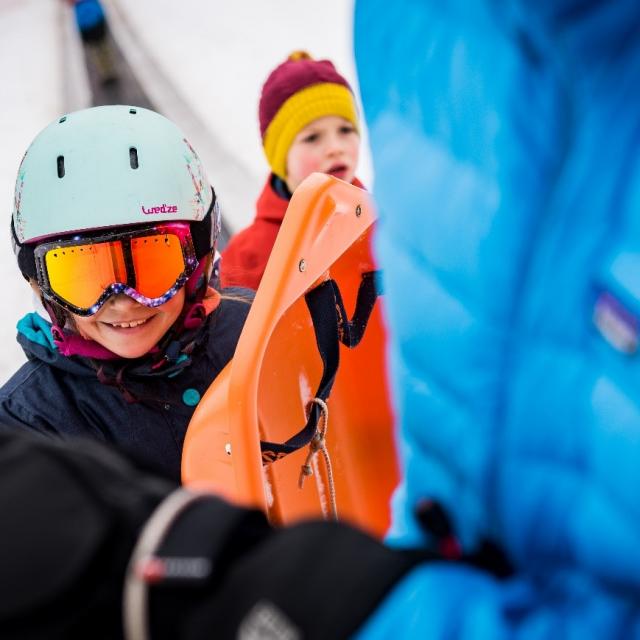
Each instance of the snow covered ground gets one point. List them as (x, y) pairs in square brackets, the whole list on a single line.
[(33, 88), (202, 63)]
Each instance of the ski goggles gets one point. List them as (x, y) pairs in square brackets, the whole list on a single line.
[(149, 265)]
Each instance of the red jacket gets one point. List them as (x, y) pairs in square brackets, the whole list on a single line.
[(245, 257)]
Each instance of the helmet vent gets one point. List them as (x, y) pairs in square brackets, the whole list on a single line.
[(63, 119), (60, 166), (133, 157), (133, 111)]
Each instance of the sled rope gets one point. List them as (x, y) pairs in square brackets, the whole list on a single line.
[(332, 326), (318, 443)]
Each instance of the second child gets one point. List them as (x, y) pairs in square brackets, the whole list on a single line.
[(308, 123)]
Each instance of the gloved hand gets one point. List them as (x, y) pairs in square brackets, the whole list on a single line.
[(79, 522), (71, 513), (204, 568)]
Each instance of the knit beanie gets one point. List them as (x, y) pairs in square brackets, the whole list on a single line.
[(297, 92)]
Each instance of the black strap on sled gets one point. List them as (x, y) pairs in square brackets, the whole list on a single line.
[(332, 326)]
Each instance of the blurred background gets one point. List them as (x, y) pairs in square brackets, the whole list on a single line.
[(199, 62)]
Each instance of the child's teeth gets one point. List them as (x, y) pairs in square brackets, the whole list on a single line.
[(128, 325)]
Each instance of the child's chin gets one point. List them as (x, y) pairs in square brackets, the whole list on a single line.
[(129, 352)]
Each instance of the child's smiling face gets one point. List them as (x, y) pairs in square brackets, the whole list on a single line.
[(330, 144), (128, 328)]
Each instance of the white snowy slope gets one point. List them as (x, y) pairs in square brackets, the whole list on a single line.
[(36, 86), (202, 63)]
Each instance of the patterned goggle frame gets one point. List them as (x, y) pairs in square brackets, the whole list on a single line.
[(149, 265)]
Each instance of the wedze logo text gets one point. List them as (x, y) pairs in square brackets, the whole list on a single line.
[(165, 208)]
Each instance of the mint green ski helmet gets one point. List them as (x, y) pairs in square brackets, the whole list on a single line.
[(106, 167)]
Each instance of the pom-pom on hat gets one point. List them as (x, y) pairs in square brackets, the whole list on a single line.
[(297, 92)]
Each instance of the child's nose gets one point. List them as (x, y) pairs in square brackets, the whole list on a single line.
[(335, 146), (122, 300)]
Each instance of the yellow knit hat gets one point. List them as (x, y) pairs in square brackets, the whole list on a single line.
[(296, 93)]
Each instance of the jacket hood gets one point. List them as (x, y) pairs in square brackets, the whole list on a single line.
[(34, 336)]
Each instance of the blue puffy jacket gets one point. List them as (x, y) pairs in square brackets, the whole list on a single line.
[(506, 142), (141, 409)]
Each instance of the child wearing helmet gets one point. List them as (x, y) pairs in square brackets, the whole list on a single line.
[(308, 122), (115, 227)]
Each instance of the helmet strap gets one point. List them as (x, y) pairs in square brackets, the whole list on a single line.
[(57, 314), (195, 290)]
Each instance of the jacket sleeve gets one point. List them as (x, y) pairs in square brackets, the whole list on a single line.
[(69, 521), (242, 263), (16, 417), (454, 602), (30, 402), (321, 580)]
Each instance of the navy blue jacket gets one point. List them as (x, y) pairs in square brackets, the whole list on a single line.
[(61, 396)]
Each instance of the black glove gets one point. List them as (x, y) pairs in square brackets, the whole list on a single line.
[(70, 517), (205, 569), (77, 519)]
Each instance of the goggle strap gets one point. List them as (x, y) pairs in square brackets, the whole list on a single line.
[(201, 231), (56, 312)]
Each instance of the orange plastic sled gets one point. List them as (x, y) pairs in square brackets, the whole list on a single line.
[(265, 392)]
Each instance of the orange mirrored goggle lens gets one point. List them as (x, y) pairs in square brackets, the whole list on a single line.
[(80, 274), (158, 261)]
